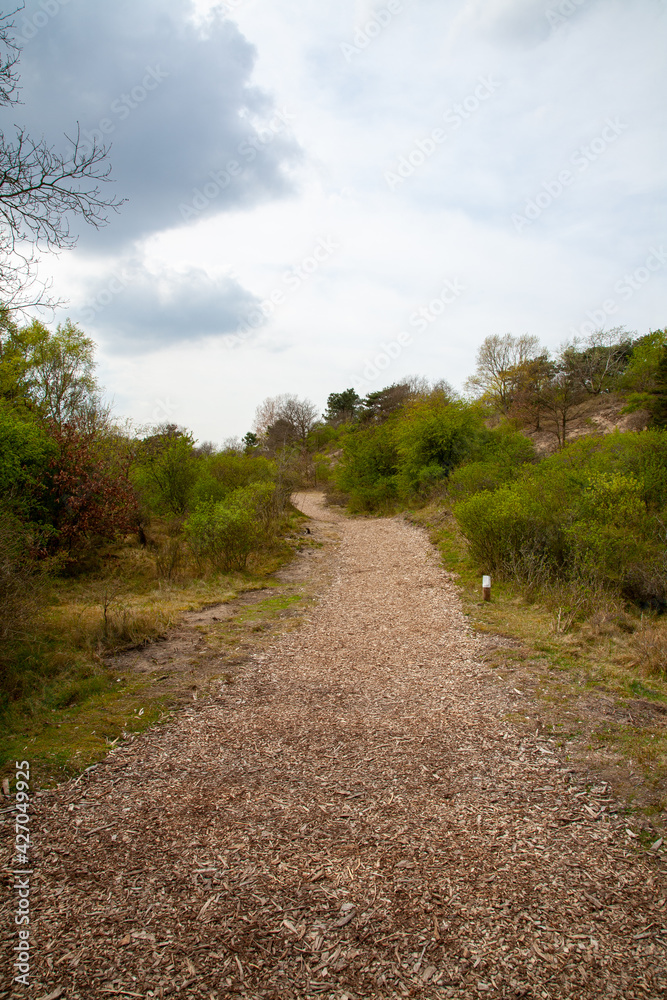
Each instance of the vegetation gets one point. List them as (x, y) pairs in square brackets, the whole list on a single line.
[(520, 480), (107, 532), (579, 524)]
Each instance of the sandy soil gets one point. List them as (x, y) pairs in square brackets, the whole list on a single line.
[(353, 818)]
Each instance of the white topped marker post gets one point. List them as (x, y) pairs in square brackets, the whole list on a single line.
[(486, 587)]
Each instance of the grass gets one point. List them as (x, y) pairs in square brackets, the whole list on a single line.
[(599, 684), (65, 705)]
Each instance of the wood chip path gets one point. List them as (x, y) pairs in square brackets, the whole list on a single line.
[(353, 818)]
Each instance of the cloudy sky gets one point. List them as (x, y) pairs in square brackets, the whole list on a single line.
[(328, 194)]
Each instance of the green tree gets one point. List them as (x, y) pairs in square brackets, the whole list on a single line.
[(531, 380), (250, 442), (561, 399), (640, 381), (62, 372), (659, 406), (368, 466), (25, 452), (342, 407), (166, 469), (53, 373), (379, 405)]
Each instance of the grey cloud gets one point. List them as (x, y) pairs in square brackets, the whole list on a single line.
[(174, 101), (134, 310)]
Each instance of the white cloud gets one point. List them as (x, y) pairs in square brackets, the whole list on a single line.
[(450, 219)]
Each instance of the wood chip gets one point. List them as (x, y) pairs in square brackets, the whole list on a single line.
[(356, 816)]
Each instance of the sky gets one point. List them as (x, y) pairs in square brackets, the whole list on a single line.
[(335, 194)]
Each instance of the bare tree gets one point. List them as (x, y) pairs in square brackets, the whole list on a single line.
[(266, 414), (284, 420), (8, 60), (498, 361), (531, 380), (301, 414), (596, 363), (560, 399), (40, 190)]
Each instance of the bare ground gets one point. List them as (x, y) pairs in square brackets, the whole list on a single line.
[(354, 817)]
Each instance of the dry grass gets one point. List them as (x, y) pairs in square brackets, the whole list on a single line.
[(650, 644), (60, 689)]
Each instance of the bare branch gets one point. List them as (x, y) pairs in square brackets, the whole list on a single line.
[(41, 189)]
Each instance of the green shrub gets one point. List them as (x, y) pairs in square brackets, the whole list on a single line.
[(508, 449), (510, 528), (219, 475), (221, 535), (412, 451), (475, 477), (505, 453), (572, 519), (166, 471), (25, 452), (224, 533), (366, 473), (433, 436)]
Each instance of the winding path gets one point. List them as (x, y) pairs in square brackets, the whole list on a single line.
[(353, 818)]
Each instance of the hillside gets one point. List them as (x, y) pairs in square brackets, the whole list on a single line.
[(601, 414)]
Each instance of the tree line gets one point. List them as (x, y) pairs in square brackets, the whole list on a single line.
[(585, 519), (533, 388)]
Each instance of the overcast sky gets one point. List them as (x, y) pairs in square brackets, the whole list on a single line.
[(329, 194)]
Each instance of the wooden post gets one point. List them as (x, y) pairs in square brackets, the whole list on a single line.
[(486, 587)]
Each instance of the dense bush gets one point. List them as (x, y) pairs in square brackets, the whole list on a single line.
[(368, 467), (219, 475), (87, 496), (642, 382), (165, 470), (223, 533), (429, 441), (434, 435), (25, 452), (593, 513), (505, 453)]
